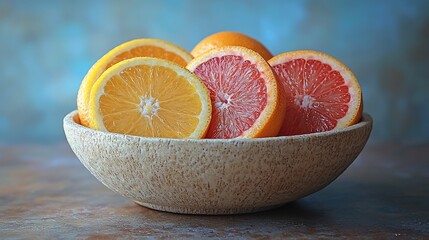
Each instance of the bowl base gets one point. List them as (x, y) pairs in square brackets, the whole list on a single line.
[(203, 211)]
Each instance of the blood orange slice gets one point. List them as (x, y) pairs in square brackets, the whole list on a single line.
[(321, 92), (246, 98)]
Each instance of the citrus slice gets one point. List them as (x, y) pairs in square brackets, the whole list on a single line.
[(145, 47), (222, 39), (245, 96), (321, 92), (150, 97)]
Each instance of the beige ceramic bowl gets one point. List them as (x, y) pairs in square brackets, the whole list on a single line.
[(216, 176)]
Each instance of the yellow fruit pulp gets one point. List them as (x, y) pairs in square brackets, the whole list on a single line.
[(150, 99)]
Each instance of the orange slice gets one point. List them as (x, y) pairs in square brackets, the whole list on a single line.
[(150, 97), (246, 99), (222, 39), (321, 92), (145, 47)]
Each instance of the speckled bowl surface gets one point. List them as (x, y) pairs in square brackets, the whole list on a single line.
[(214, 176)]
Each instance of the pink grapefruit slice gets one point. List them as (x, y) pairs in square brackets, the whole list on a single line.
[(321, 92), (246, 98)]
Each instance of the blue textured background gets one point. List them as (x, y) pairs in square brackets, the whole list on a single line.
[(47, 46)]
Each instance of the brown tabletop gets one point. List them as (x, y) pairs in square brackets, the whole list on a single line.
[(45, 192)]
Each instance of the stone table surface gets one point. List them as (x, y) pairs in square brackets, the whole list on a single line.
[(46, 193)]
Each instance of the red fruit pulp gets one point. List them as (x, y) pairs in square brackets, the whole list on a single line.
[(316, 96), (238, 94)]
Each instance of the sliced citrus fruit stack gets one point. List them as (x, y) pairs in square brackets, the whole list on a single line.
[(222, 39), (321, 92), (150, 97), (144, 47), (246, 99)]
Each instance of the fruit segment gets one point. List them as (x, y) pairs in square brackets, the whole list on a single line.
[(152, 98), (321, 92), (244, 93), (238, 92), (145, 47)]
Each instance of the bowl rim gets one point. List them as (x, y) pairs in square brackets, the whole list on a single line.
[(365, 121)]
